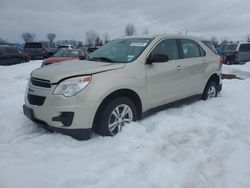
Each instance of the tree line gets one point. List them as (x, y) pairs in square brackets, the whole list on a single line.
[(93, 38)]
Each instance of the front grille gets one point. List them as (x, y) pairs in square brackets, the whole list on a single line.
[(36, 100), (40, 82)]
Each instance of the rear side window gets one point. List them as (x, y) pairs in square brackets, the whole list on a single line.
[(210, 45), (244, 48), (167, 47), (33, 45), (191, 49)]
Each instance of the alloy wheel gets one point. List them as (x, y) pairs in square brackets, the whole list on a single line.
[(120, 116)]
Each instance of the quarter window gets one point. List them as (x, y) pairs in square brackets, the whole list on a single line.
[(167, 47), (191, 49)]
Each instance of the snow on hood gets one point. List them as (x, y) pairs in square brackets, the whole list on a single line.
[(58, 71)]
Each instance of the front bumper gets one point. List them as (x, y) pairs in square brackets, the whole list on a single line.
[(73, 116), (79, 134)]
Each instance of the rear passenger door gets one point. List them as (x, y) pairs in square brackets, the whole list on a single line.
[(193, 66)]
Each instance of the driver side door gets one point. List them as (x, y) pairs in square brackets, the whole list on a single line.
[(165, 80)]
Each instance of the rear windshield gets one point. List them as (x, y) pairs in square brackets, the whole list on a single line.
[(210, 45), (231, 47), (244, 48), (33, 45), (67, 53)]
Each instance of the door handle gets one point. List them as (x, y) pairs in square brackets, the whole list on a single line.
[(179, 67)]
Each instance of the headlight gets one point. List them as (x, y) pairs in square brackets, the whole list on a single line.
[(72, 86)]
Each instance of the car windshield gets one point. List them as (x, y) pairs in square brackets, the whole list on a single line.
[(33, 45), (120, 50), (67, 53)]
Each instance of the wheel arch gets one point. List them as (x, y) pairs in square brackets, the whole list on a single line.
[(131, 94), (214, 77)]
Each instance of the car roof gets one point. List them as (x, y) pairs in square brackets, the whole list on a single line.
[(165, 35)]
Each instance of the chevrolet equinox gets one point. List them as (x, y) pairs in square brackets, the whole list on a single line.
[(120, 82)]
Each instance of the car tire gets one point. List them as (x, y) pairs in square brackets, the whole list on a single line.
[(112, 118), (210, 91)]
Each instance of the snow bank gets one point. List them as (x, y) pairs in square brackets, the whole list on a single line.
[(241, 71), (200, 145)]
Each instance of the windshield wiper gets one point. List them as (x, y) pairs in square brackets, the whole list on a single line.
[(101, 59)]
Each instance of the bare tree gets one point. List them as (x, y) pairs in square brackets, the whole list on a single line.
[(105, 38), (98, 41), (28, 37), (130, 30), (91, 37), (145, 31), (215, 41), (51, 37)]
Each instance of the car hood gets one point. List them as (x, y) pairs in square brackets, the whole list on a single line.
[(58, 59), (58, 71)]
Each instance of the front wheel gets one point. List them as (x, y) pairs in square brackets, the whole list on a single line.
[(210, 91), (115, 115)]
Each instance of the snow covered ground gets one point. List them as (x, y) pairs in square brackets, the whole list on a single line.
[(205, 144)]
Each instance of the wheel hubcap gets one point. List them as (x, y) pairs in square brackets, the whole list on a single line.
[(120, 116), (211, 92)]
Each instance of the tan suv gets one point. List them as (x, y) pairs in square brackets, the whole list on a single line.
[(120, 82)]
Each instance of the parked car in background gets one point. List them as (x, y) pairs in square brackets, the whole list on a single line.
[(68, 46), (121, 82), (236, 53), (10, 56), (65, 55), (39, 50), (92, 49)]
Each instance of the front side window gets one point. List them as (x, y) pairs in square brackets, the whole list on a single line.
[(191, 49), (120, 50), (167, 47)]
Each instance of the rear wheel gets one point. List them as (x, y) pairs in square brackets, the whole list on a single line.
[(210, 91), (115, 115)]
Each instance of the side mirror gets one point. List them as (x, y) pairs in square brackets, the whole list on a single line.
[(82, 57), (157, 58)]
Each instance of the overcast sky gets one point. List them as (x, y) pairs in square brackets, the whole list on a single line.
[(70, 19)]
